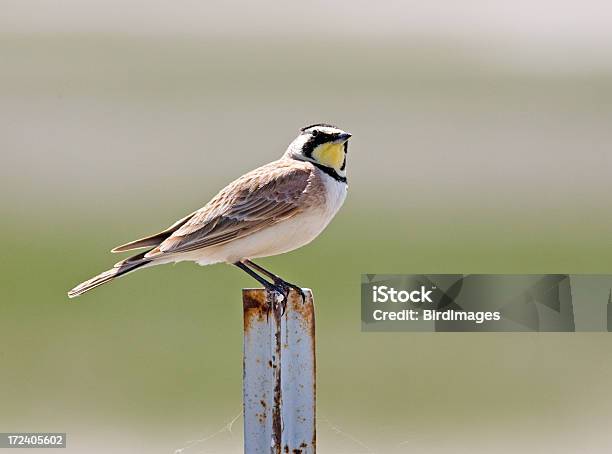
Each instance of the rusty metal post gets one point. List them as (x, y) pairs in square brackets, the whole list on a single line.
[(279, 373)]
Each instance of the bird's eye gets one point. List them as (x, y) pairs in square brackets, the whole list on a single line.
[(315, 133)]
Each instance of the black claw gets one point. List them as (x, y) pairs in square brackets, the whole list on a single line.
[(286, 286), (283, 291)]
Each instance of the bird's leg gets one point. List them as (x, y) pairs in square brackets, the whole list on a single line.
[(267, 285), (276, 279)]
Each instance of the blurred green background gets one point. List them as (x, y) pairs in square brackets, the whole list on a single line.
[(481, 143)]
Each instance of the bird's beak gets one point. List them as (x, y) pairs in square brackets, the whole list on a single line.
[(343, 137)]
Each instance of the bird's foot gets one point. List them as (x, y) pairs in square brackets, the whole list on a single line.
[(282, 288), (281, 295), (287, 286)]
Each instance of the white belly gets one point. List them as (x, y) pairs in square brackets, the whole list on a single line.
[(279, 238)]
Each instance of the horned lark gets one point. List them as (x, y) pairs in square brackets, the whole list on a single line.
[(273, 209)]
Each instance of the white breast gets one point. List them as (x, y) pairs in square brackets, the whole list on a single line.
[(336, 194)]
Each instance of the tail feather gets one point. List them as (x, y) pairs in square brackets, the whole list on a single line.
[(121, 268)]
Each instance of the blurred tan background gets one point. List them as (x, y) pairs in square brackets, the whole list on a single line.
[(482, 138)]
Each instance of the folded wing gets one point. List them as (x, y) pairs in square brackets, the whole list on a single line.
[(256, 200)]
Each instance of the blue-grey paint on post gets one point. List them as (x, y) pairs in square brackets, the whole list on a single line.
[(279, 373)]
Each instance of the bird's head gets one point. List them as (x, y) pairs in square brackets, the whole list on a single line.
[(324, 145)]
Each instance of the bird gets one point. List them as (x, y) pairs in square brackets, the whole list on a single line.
[(271, 210)]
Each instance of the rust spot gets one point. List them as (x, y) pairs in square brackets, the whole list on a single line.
[(286, 448), (304, 309), (297, 451), (254, 306), (263, 403), (303, 445)]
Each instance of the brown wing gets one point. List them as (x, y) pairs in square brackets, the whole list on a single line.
[(256, 200), (153, 240)]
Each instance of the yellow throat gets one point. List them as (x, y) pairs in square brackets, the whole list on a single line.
[(330, 155)]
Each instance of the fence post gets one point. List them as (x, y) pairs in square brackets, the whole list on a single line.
[(279, 373)]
